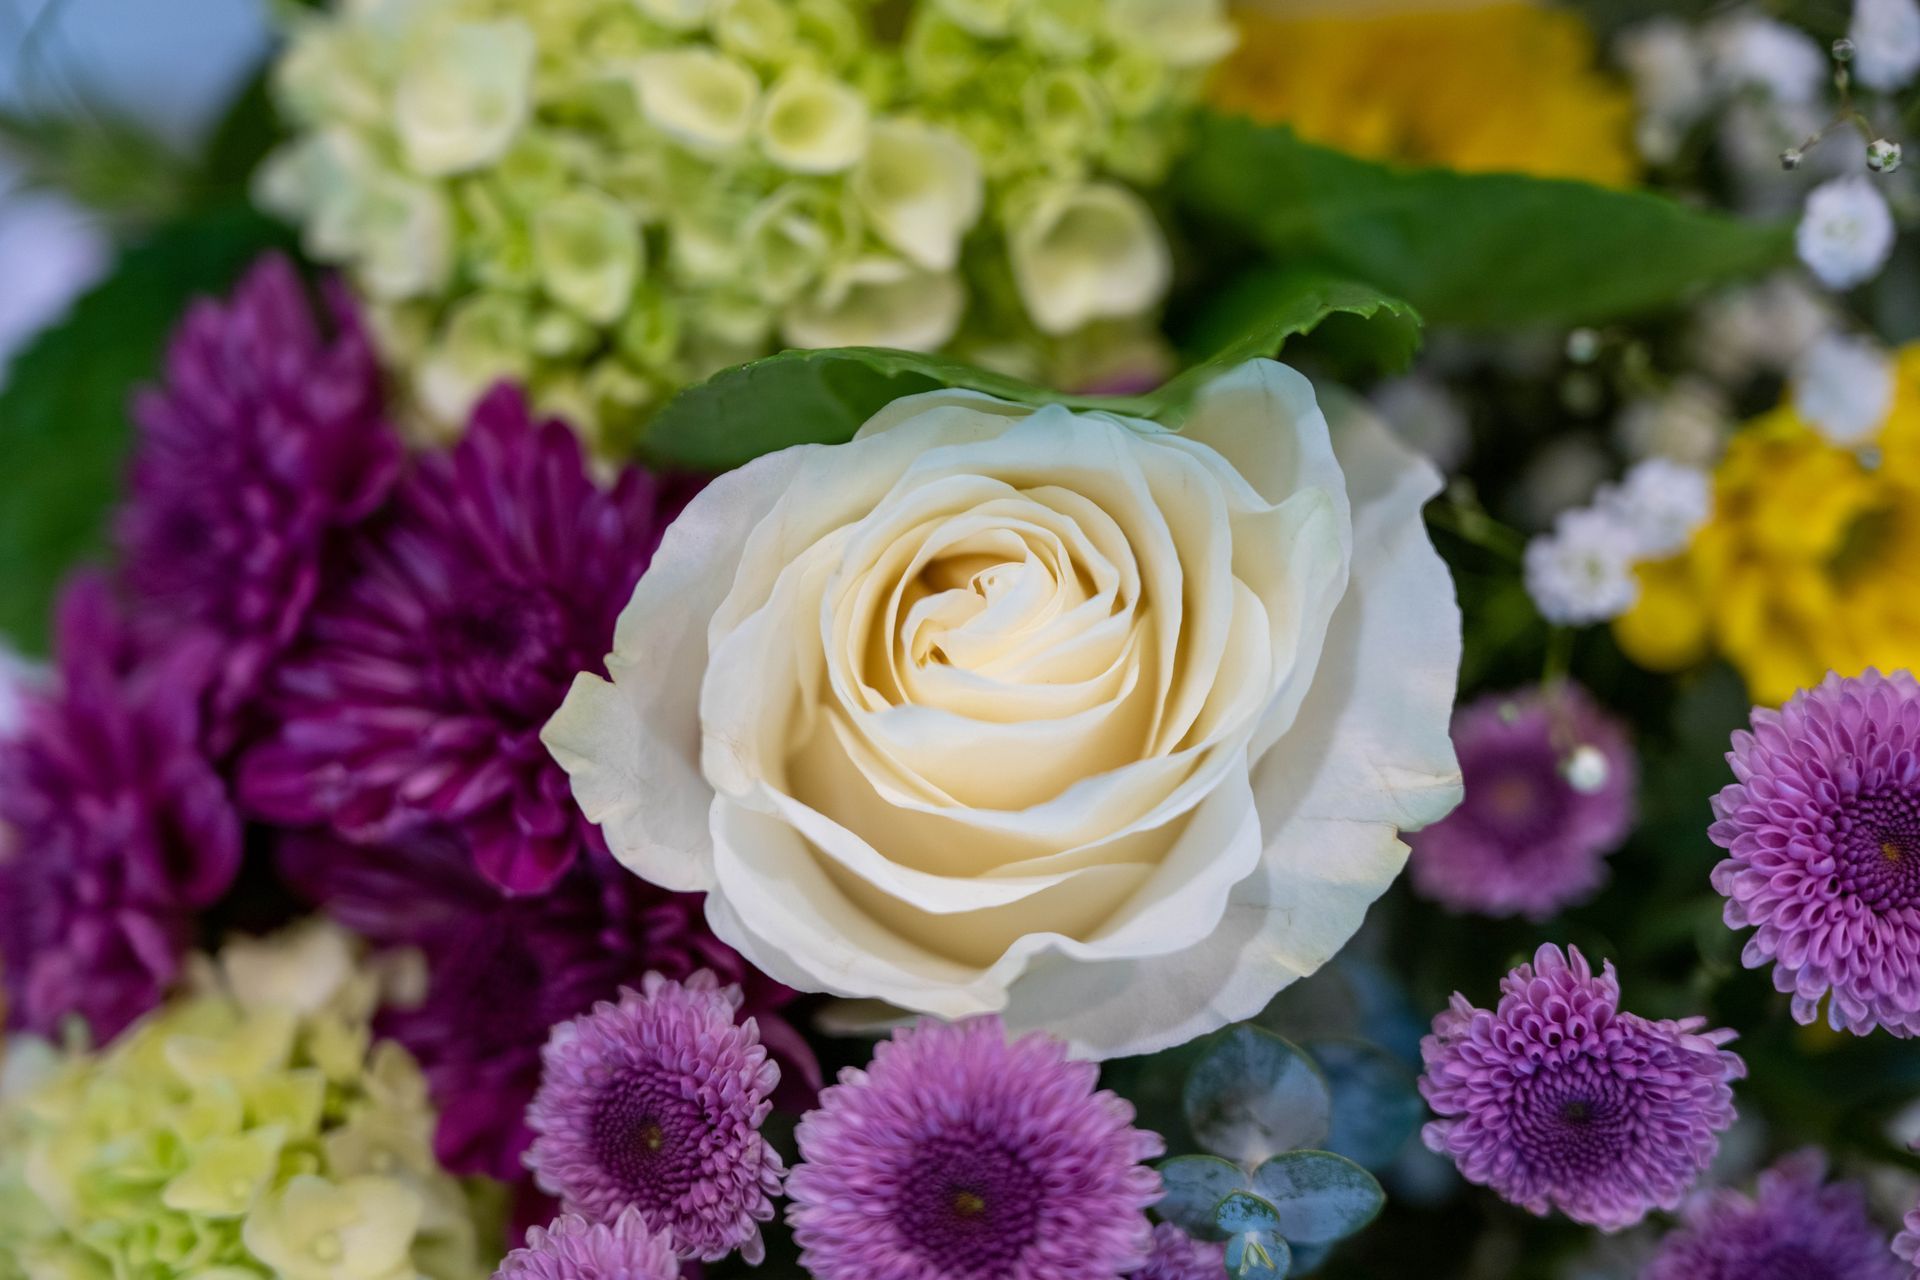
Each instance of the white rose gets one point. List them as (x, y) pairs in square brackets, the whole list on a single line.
[(1105, 727)]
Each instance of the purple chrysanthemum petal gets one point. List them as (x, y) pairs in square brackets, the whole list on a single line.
[(571, 1248), (1557, 1099), (502, 970), (656, 1103), (1525, 840), (1822, 833), (1794, 1228), (427, 671), (1906, 1245), (263, 443), (114, 828), (1178, 1256), (959, 1156)]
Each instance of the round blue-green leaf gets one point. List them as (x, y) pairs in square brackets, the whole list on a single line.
[(1243, 1212), (1195, 1186), (1258, 1255), (1254, 1095), (1376, 1105), (1320, 1197)]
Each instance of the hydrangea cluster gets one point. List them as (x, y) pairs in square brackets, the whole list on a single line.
[(958, 1155), (245, 1129), (1559, 1099), (1795, 1225), (606, 199), (1822, 833), (656, 1103), (1550, 786)]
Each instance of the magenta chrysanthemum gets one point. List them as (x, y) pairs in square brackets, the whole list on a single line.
[(1557, 1099), (502, 971), (656, 1102), (265, 440), (114, 828), (1822, 833), (571, 1248), (1178, 1256), (959, 1156), (417, 696), (1794, 1228), (1550, 782)]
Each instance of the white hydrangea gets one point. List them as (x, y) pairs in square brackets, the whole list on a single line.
[(1844, 387), (1427, 417), (1582, 572), (1846, 232), (1749, 51), (1687, 423), (1661, 504), (1886, 42)]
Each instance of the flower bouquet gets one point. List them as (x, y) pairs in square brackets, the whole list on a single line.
[(964, 640)]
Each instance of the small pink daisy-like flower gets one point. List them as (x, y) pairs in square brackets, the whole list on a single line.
[(1822, 833), (1178, 1256), (655, 1104), (1557, 1099), (574, 1249), (958, 1156), (1550, 783), (1795, 1227)]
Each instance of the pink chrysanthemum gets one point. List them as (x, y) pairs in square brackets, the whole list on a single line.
[(1557, 1099), (1550, 783), (1178, 1256), (1794, 1228), (1822, 832), (574, 1249), (656, 1103), (959, 1156)]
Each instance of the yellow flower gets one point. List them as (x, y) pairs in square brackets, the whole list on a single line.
[(1810, 563), (1489, 87)]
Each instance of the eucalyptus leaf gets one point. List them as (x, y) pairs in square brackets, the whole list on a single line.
[(1243, 1212), (1258, 1255), (1195, 1186), (1320, 1197), (1376, 1104), (1253, 1095), (823, 397), (1485, 250)]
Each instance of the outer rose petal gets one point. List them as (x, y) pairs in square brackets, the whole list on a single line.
[(1363, 761)]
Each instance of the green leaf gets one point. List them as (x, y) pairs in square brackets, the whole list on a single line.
[(822, 397), (1195, 1187), (63, 421), (1254, 1095), (1318, 1196), (1477, 250), (1376, 1105)]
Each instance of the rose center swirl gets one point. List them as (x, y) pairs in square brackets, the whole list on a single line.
[(1877, 849), (970, 1205)]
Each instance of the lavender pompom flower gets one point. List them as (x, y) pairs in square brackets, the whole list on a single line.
[(1178, 1256), (959, 1156), (114, 828), (417, 697), (1557, 1099), (1822, 833), (656, 1102), (571, 1248), (265, 440), (1794, 1228), (1906, 1245), (1550, 786), (501, 971)]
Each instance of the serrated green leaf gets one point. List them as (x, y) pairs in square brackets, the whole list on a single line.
[(1478, 250), (822, 397), (63, 419), (1195, 1186), (1253, 1095), (1319, 1197)]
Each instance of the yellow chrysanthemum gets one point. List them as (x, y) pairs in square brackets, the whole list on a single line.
[(1500, 87), (1809, 564)]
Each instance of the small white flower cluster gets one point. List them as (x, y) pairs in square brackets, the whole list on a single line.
[(1583, 571), (1846, 232), (1843, 386), (1886, 43), (1681, 75)]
